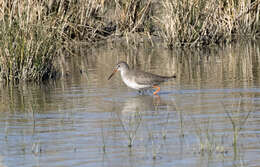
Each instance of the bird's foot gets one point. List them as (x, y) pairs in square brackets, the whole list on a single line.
[(157, 89)]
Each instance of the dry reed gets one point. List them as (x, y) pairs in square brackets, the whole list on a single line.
[(200, 22), (32, 31)]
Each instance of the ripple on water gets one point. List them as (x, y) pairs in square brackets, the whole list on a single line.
[(199, 119)]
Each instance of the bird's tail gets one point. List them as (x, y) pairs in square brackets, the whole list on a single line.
[(170, 77)]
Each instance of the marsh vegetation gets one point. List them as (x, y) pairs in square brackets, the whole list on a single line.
[(33, 33)]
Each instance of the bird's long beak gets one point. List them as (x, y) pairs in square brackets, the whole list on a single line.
[(115, 70)]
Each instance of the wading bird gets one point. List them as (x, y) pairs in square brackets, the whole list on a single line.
[(139, 80)]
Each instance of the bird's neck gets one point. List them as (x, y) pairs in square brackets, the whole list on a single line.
[(124, 72)]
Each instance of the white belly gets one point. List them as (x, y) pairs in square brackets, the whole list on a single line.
[(132, 84)]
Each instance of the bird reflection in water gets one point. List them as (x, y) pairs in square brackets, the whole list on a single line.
[(136, 111)]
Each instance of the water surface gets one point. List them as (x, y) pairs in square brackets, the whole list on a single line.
[(208, 116)]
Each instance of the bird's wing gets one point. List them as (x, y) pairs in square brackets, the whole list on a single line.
[(144, 78)]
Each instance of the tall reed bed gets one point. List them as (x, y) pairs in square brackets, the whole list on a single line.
[(205, 22), (133, 15), (32, 31)]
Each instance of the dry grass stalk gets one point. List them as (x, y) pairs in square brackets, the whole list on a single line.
[(32, 31), (200, 22), (133, 15)]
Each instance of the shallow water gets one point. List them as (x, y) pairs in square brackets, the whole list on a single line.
[(208, 116)]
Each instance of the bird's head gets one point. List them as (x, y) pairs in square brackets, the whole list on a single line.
[(120, 66)]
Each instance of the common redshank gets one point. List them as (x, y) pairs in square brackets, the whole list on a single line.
[(139, 80)]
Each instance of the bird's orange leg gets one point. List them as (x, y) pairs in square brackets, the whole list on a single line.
[(157, 89)]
